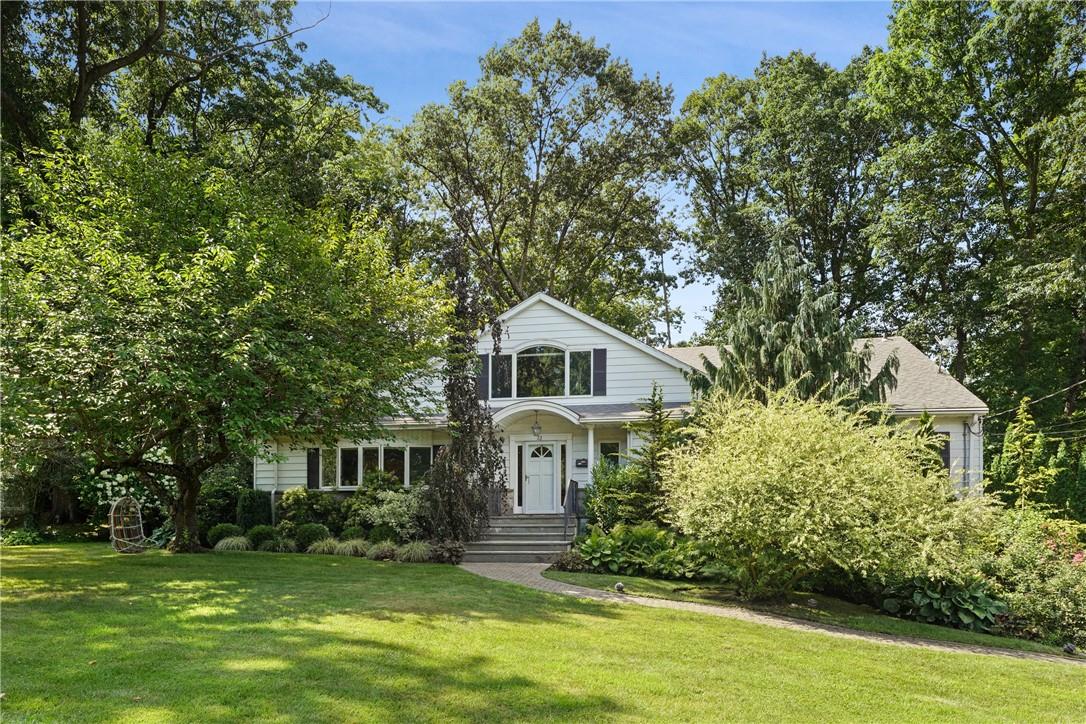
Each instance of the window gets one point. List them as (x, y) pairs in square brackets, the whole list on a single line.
[(609, 451), (944, 449), (541, 372), (313, 468), (419, 461), (580, 373), (501, 376), (328, 469), (348, 467), (371, 459), (394, 462)]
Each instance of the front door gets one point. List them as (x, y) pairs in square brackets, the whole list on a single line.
[(539, 478)]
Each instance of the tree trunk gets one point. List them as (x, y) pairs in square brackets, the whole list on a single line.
[(186, 537)]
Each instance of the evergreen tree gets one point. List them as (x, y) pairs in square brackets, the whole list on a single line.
[(782, 333), (1022, 472), (659, 433), (1067, 495)]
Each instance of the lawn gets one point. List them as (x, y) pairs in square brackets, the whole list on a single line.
[(89, 635), (826, 610)]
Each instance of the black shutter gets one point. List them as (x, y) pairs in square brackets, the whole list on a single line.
[(484, 377), (313, 468), (599, 372)]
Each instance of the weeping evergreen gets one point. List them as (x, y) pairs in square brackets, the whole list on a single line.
[(783, 334)]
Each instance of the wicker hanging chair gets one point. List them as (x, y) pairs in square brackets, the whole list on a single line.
[(126, 527)]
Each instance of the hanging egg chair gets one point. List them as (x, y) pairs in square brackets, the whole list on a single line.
[(126, 526)]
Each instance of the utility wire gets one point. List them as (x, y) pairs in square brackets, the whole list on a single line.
[(1034, 402)]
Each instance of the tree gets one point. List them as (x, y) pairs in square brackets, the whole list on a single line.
[(469, 472), (548, 170), (162, 314), (783, 335), (988, 184), (1022, 472), (787, 156)]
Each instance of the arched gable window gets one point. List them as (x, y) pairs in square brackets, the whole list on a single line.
[(541, 372)]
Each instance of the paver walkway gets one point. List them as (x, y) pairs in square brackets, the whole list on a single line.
[(531, 575)]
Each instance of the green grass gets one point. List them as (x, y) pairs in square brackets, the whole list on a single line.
[(828, 610), (89, 635)]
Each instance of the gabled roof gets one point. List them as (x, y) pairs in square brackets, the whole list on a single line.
[(607, 329), (921, 384)]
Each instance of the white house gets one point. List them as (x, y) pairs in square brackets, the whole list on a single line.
[(562, 390)]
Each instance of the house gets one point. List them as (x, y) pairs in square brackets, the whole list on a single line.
[(562, 389)]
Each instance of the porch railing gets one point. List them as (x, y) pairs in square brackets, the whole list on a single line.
[(570, 508)]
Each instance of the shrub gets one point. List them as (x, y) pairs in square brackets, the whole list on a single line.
[(234, 543), (1035, 564), (946, 604), (310, 533), (383, 551), (218, 498), (381, 532), (785, 488), (447, 551), (278, 545), (354, 547), (260, 533), (323, 546), (395, 514), (618, 495), (22, 537), (286, 529), (570, 560), (353, 532), (223, 530), (302, 505), (254, 508), (417, 551)]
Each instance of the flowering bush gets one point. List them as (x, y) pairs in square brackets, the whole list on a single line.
[(1035, 564), (395, 510), (786, 488)]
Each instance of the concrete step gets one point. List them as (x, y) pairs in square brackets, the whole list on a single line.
[(526, 520), (543, 530), (527, 535), (507, 556), (517, 545)]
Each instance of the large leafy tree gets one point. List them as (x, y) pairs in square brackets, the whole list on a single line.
[(548, 169), (227, 78), (786, 156), (162, 314), (985, 223), (783, 334)]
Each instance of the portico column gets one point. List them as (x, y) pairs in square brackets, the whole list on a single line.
[(591, 448)]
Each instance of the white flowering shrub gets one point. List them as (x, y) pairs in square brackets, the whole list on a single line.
[(788, 488)]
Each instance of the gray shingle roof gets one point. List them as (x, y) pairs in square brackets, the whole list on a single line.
[(921, 384)]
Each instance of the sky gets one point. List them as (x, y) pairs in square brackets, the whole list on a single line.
[(410, 52)]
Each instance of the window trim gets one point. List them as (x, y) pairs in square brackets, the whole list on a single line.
[(367, 445), (566, 352)]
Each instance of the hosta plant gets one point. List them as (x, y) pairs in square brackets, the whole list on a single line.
[(966, 606)]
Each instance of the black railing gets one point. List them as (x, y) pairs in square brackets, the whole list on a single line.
[(569, 508)]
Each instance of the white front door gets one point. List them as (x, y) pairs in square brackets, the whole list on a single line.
[(539, 480)]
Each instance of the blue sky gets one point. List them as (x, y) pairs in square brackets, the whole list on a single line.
[(410, 52)]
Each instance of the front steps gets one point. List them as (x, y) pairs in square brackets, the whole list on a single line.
[(521, 539)]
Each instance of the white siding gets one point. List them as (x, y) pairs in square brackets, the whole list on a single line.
[(630, 371), (966, 439), (291, 468)]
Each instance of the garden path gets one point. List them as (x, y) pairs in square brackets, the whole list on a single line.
[(531, 575)]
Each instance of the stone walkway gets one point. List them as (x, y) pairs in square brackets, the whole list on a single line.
[(531, 575)]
